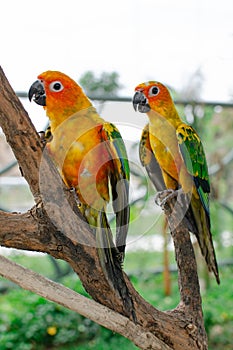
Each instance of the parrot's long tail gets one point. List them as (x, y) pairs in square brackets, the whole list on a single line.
[(111, 263), (204, 236)]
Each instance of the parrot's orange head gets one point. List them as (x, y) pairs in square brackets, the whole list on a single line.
[(151, 95), (58, 92)]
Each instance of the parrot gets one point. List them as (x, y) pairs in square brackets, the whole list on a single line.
[(91, 157), (174, 157)]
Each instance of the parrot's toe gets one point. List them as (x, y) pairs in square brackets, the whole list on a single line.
[(162, 197)]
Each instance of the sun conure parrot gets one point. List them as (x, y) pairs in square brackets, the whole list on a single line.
[(173, 149), (91, 158)]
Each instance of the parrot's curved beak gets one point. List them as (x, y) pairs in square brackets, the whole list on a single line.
[(140, 102), (37, 92)]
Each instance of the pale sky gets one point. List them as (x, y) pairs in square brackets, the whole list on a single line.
[(164, 40), (148, 39)]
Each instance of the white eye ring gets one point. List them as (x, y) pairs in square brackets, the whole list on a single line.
[(56, 86), (154, 90)]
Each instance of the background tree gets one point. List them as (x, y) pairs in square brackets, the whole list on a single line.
[(106, 84)]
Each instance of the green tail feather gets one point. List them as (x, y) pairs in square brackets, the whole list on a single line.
[(204, 236), (111, 263)]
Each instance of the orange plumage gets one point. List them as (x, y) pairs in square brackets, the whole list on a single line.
[(91, 157), (179, 153)]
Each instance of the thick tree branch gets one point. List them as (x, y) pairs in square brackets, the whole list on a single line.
[(190, 297), (20, 133), (55, 226)]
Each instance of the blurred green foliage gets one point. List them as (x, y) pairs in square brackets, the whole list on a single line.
[(29, 322), (106, 84)]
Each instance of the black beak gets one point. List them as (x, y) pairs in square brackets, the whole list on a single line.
[(37, 92), (140, 102)]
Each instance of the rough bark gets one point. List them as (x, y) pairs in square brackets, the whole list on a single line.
[(55, 226)]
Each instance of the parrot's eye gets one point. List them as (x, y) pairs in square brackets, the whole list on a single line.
[(56, 86), (154, 90)]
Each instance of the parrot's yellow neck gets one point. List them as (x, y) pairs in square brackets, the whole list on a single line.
[(58, 113), (160, 117), (78, 120)]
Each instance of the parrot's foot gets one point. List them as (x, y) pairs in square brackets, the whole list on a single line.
[(162, 197), (46, 136), (42, 137), (73, 191), (79, 204), (120, 257)]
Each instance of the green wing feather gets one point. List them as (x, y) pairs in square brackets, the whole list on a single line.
[(119, 179), (111, 258), (118, 148), (194, 158)]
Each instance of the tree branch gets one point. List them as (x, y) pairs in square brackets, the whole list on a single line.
[(20, 133), (190, 301), (56, 227)]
